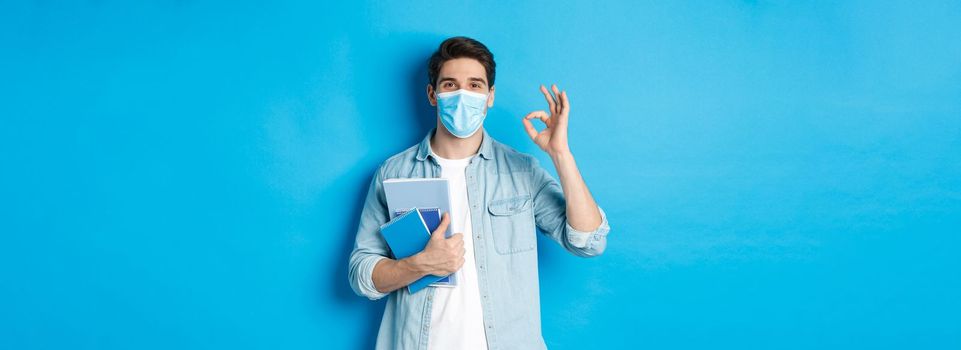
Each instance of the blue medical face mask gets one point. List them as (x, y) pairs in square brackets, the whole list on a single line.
[(462, 111)]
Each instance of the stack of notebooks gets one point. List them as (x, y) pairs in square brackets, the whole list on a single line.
[(416, 206)]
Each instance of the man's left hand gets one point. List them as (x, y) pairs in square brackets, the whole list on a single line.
[(553, 139)]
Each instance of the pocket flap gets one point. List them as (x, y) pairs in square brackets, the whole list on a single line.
[(509, 206)]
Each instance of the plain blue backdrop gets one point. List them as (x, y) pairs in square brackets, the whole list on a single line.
[(188, 175)]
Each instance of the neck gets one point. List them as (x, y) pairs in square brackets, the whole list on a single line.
[(448, 146)]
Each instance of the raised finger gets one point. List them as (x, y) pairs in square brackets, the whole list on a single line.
[(557, 96), (550, 99), (566, 103), (565, 111)]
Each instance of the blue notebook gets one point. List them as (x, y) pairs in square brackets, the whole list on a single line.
[(406, 235), (422, 193)]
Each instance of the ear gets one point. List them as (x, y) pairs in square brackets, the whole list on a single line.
[(430, 95), (490, 98)]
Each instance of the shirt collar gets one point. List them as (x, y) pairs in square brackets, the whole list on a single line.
[(424, 149)]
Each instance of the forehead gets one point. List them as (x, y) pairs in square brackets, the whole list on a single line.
[(462, 69)]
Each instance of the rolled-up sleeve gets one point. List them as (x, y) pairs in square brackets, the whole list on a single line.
[(362, 280), (369, 245), (594, 241), (550, 216)]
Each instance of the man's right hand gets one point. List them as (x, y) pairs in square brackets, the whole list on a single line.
[(442, 256)]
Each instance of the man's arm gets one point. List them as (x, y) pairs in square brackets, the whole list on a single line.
[(582, 227), (551, 216), (372, 273), (582, 212), (369, 246), (441, 257)]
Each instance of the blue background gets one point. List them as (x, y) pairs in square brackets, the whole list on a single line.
[(188, 175)]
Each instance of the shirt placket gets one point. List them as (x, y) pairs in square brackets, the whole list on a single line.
[(432, 171), (474, 195)]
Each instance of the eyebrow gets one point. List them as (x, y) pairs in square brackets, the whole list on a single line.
[(478, 79), (443, 79)]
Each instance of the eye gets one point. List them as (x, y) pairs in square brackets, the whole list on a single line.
[(475, 85), (448, 84)]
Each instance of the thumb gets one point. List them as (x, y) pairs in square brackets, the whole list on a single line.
[(441, 228)]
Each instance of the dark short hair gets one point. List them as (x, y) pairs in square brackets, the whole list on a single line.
[(460, 47)]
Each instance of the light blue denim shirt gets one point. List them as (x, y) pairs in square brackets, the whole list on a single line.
[(511, 197)]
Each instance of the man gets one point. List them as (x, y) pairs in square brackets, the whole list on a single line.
[(499, 198)]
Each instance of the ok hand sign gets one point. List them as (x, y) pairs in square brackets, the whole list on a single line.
[(553, 139)]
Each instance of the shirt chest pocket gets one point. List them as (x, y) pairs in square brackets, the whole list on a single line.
[(512, 224)]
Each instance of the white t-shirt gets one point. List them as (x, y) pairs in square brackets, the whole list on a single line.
[(457, 320)]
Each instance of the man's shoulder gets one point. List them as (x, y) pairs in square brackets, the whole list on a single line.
[(401, 160)]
